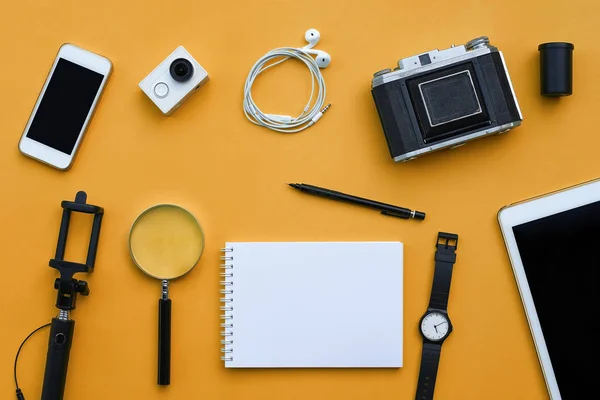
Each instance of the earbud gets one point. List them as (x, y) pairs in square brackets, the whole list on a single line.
[(322, 58), (312, 36)]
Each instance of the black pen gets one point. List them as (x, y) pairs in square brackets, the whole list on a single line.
[(386, 209)]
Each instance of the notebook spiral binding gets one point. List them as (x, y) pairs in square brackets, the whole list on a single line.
[(227, 301)]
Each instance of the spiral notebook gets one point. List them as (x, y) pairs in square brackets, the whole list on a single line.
[(309, 304)]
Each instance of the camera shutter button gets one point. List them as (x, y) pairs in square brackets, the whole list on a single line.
[(161, 90), (477, 43)]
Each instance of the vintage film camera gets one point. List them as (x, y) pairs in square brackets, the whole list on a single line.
[(443, 99)]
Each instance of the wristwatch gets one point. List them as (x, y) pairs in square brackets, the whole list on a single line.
[(435, 325)]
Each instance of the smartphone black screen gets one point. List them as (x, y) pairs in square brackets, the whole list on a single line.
[(561, 260), (65, 106)]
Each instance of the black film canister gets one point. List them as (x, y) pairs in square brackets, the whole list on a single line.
[(556, 68)]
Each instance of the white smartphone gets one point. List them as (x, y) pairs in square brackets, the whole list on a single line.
[(65, 106)]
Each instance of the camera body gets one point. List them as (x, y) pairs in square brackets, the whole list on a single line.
[(445, 98), (174, 80)]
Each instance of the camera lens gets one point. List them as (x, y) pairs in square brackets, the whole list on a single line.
[(181, 70)]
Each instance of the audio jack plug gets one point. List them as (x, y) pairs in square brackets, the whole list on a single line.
[(20, 395), (319, 114)]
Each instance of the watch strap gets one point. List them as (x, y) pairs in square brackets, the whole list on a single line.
[(430, 359), (445, 257)]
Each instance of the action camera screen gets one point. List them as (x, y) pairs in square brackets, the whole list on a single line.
[(65, 106)]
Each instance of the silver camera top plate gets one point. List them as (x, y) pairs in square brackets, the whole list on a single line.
[(433, 59)]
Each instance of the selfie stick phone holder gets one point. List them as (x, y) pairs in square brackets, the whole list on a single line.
[(61, 329)]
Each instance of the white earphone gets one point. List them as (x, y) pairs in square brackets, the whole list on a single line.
[(322, 58), (312, 36), (313, 110)]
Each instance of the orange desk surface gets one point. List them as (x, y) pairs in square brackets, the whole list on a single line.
[(232, 175)]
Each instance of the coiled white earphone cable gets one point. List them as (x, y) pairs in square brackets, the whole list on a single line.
[(285, 123)]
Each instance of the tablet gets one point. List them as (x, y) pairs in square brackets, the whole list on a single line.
[(553, 242)]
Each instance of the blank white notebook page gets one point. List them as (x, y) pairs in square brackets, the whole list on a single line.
[(307, 304)]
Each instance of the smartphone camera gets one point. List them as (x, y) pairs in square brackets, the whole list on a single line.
[(174, 80)]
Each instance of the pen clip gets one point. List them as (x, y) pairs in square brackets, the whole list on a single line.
[(391, 214)]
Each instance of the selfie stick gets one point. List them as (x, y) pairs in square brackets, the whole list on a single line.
[(61, 329)]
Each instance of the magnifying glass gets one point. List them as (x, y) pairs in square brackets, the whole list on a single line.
[(165, 242)]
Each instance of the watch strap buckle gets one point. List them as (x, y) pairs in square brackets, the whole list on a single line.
[(447, 241)]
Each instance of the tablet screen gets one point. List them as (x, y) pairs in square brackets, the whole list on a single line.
[(561, 259)]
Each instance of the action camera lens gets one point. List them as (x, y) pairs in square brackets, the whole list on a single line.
[(181, 70)]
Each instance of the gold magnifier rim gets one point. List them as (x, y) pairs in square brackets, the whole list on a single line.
[(146, 211)]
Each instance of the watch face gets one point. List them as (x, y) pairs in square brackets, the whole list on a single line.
[(435, 326)]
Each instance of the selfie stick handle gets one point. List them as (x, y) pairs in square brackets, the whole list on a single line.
[(57, 360)]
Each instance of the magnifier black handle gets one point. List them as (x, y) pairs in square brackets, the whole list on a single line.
[(57, 360), (164, 341)]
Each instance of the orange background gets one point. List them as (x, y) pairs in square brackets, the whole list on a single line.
[(232, 175)]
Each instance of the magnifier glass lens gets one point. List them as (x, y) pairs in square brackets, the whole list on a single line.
[(166, 241)]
